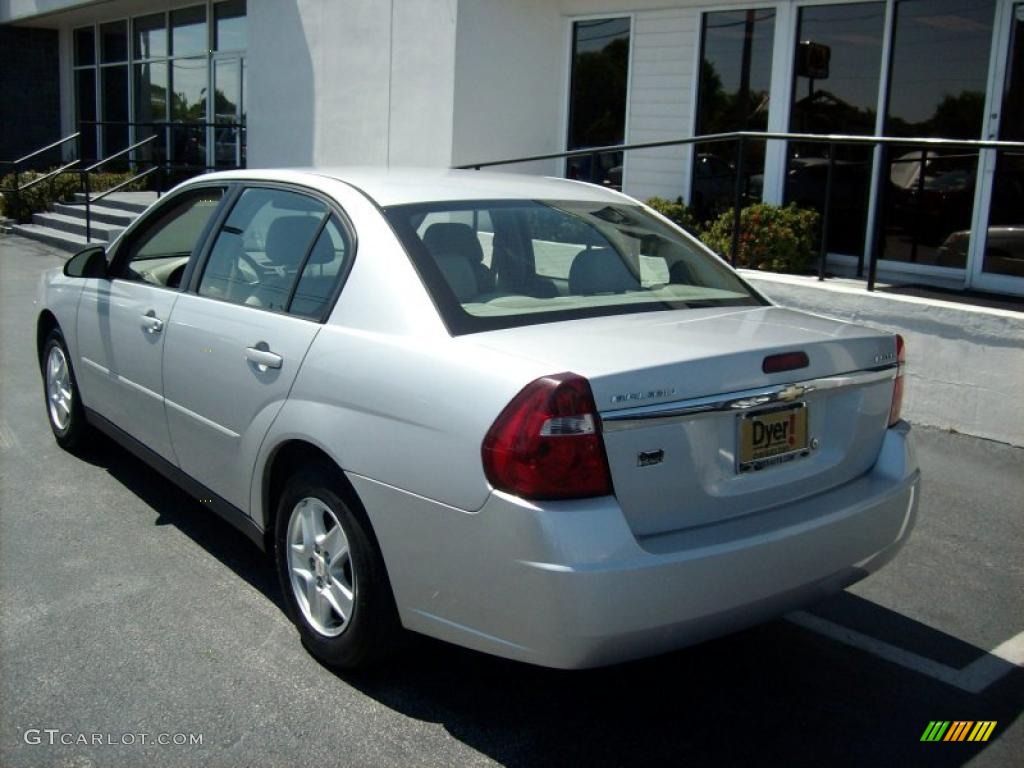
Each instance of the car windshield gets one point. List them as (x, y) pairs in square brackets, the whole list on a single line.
[(499, 264)]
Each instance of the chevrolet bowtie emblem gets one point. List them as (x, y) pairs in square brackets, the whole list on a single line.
[(792, 392)]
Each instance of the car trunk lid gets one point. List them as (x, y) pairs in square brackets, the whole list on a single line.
[(677, 391)]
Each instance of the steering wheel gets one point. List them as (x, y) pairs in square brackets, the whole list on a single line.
[(257, 270)]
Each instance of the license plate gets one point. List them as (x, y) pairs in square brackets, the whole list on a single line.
[(774, 437)]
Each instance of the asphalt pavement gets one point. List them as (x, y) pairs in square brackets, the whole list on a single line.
[(129, 614)]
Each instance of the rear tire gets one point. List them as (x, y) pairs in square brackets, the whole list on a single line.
[(332, 574), (64, 408)]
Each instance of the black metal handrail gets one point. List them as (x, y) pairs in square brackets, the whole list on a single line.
[(926, 145), (83, 176), (17, 188)]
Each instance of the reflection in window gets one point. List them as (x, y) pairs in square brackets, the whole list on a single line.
[(150, 107), (150, 36), (1004, 246), (114, 42), (597, 97), (837, 66), (85, 106), (929, 196), (114, 103), (188, 31), (735, 81), (230, 29), (227, 100), (85, 46)]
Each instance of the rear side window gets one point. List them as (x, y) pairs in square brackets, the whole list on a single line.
[(499, 264), (261, 248), (327, 262)]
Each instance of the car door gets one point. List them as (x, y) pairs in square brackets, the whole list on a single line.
[(122, 317), (236, 339)]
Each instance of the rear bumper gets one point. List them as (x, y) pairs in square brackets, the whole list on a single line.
[(567, 584)]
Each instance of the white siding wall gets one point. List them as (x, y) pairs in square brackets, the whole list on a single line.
[(661, 100)]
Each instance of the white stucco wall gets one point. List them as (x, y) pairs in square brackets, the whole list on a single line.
[(966, 363), (511, 70), (362, 82)]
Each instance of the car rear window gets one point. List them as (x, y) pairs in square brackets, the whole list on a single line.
[(500, 264)]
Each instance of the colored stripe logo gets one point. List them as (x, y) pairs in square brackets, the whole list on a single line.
[(958, 730)]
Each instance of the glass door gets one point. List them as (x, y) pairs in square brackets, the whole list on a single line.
[(999, 258)]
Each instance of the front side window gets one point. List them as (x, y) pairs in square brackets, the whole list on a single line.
[(158, 252), (550, 260), (262, 248)]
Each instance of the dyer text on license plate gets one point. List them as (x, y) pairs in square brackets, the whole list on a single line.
[(771, 437)]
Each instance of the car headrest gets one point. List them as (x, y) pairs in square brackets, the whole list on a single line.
[(600, 270), (451, 239), (288, 237)]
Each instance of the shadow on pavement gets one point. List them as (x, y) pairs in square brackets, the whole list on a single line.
[(774, 694)]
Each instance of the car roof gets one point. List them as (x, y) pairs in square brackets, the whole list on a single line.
[(401, 186)]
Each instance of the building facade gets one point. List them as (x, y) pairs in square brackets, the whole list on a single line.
[(449, 82)]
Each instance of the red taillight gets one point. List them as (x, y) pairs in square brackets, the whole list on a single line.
[(897, 388), (547, 443)]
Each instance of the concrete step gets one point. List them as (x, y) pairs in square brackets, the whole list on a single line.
[(99, 213), (135, 202), (64, 240), (76, 225)]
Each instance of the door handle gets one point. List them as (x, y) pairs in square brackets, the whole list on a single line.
[(152, 323), (264, 358)]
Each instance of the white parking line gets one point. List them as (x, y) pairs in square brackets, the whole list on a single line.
[(974, 678)]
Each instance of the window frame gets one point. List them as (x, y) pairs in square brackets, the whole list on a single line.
[(194, 272)]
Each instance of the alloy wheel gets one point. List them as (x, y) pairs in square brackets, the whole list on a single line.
[(320, 567)]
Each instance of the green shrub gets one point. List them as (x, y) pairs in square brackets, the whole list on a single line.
[(772, 237), (677, 212), (61, 188)]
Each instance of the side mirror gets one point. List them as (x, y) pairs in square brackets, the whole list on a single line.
[(91, 261)]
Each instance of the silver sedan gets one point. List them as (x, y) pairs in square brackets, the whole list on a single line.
[(527, 416)]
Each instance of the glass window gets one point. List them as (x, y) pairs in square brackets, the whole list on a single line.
[(85, 46), (227, 80), (114, 104), (838, 62), (188, 90), (325, 266), (733, 93), (933, 93), (256, 258), (159, 253), (597, 97), (188, 31), (150, 107), (150, 36), (940, 54), (230, 29), (557, 260), (85, 107), (1004, 243), (114, 42)]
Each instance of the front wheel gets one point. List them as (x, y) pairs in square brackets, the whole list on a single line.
[(63, 404), (331, 572)]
